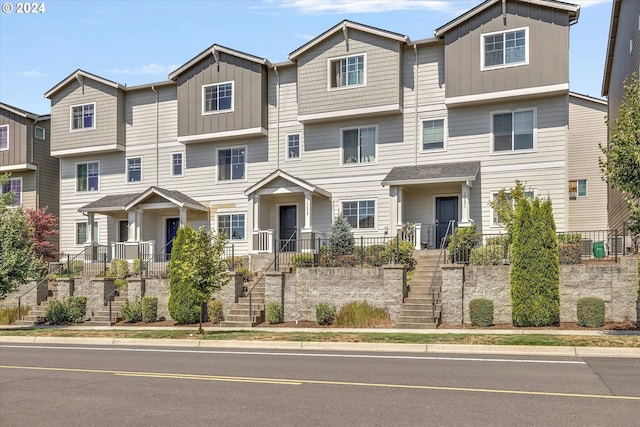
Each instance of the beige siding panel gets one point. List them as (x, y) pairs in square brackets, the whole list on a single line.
[(48, 171)]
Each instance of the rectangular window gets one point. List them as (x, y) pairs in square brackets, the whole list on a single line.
[(176, 164), (134, 169), (349, 71), (577, 188), (433, 134), (83, 117), (39, 132), (4, 137), (231, 164), (505, 48), (497, 221), (217, 98), (293, 146), (359, 145), (513, 131), (360, 214), (582, 188), (81, 233), (87, 176), (14, 185), (232, 225)]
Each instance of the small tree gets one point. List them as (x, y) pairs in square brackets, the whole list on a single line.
[(621, 167), (183, 307), (506, 203), (45, 226), (341, 238)]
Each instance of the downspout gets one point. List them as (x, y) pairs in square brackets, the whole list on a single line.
[(415, 88), (157, 135), (275, 70)]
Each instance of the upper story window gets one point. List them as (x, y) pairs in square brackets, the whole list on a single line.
[(347, 71), (433, 135), (134, 169), (177, 164), (83, 117), (4, 137), (505, 48), (14, 185), (293, 146), (359, 145), (39, 132), (231, 164), (513, 130), (87, 176), (232, 226), (360, 214), (217, 98)]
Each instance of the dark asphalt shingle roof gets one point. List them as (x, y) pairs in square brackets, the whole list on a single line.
[(441, 172), (118, 202)]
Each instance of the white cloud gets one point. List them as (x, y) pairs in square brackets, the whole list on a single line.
[(32, 73), (146, 69), (315, 7)]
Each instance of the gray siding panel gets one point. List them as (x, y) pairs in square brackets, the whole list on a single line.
[(17, 153)]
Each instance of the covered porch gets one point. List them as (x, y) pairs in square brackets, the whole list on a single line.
[(429, 197)]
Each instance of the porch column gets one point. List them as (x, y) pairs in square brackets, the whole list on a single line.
[(308, 204), (183, 217), (133, 226), (256, 212), (465, 220), (399, 205), (90, 220)]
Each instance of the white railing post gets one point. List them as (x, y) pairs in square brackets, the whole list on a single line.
[(270, 241), (417, 235)]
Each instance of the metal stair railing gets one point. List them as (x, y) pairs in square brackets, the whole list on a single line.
[(443, 249)]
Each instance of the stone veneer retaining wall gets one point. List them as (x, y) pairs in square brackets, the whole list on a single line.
[(32, 298), (615, 284), (97, 291), (300, 292)]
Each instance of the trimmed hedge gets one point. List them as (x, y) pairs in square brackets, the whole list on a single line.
[(487, 255), (73, 309), (590, 312), (119, 268), (183, 305), (274, 312), (131, 311), (149, 307), (325, 314), (302, 260), (481, 312)]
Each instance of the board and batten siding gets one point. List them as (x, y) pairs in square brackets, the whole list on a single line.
[(548, 46), (19, 135), (48, 171), (587, 130), (382, 69)]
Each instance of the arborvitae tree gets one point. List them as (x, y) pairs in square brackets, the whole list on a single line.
[(535, 298), (183, 304), (341, 238)]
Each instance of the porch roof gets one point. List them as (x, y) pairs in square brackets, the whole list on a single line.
[(432, 174), (305, 185), (124, 202)]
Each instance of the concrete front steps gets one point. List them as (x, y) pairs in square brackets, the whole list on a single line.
[(417, 311), (37, 315), (101, 317), (238, 316)]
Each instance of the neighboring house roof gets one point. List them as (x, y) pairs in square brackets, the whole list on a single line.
[(588, 98), (573, 9), (211, 50), (81, 74), (124, 202), (19, 111), (428, 174), (611, 45), (344, 26), (292, 179)]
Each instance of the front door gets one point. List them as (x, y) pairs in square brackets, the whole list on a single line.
[(172, 230), (446, 210), (288, 227), (123, 231)]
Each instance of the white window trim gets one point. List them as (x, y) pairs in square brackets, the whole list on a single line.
[(8, 145), (95, 114), (358, 164), (339, 58), (375, 213), (512, 151), (184, 157), (233, 98), (286, 139), (19, 178), (492, 195), (231, 213), (504, 65), (445, 135), (75, 175), (44, 132), (246, 164), (126, 170), (75, 232)]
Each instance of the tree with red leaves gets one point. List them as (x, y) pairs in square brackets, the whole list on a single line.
[(45, 226)]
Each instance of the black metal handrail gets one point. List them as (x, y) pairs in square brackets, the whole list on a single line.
[(38, 283), (450, 227)]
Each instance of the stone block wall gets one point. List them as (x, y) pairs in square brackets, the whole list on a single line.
[(97, 291), (31, 298)]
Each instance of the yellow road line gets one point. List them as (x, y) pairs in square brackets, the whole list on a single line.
[(320, 382)]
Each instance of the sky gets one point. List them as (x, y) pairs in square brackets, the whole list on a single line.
[(138, 42)]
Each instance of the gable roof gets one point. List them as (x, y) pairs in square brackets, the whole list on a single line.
[(343, 26), (211, 50), (611, 45), (19, 111), (573, 9), (292, 179), (429, 174), (82, 73), (124, 202)]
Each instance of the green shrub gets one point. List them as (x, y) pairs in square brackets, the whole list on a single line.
[(361, 314), (77, 267), (215, 310), (487, 255), (119, 268), (570, 238), (131, 311), (149, 309), (121, 284), (135, 269), (247, 275), (76, 309), (462, 241), (377, 255), (481, 312), (302, 260), (325, 314), (274, 312), (570, 253), (237, 262), (400, 252), (9, 315), (590, 312), (183, 304), (56, 312), (344, 261)]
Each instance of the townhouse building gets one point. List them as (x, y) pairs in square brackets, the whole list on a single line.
[(360, 121)]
